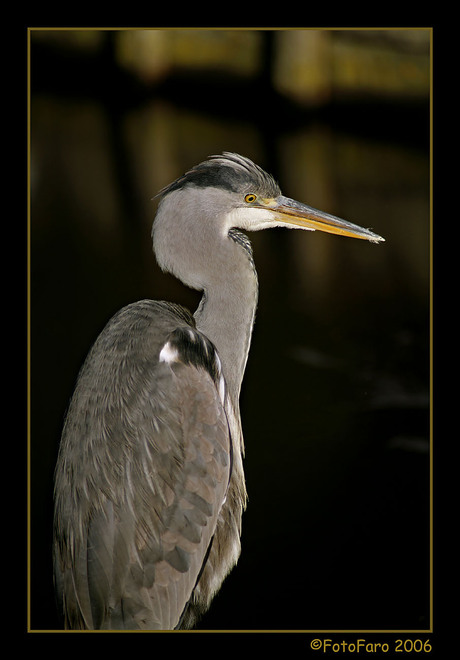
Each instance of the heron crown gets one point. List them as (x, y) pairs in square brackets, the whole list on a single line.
[(230, 172)]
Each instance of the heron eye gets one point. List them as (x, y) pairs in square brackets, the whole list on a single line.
[(250, 198)]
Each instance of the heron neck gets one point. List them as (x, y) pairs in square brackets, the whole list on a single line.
[(226, 314)]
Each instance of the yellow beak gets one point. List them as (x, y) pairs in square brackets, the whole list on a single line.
[(293, 213)]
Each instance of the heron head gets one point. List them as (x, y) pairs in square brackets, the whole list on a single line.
[(198, 210), (240, 194)]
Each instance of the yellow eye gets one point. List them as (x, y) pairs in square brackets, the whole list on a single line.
[(250, 198)]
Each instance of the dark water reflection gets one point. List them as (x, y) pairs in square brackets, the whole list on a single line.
[(336, 397)]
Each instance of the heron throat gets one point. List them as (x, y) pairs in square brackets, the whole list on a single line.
[(227, 310)]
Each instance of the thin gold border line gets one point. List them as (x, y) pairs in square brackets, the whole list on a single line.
[(228, 28), (431, 342), (301, 631), (431, 512), (28, 339)]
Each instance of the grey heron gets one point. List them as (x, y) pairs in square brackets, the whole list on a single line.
[(149, 483)]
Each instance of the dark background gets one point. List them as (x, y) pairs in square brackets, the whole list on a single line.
[(336, 397)]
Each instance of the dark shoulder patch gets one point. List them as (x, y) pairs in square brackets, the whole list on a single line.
[(189, 346)]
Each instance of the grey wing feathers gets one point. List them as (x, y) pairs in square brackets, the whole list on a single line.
[(137, 506)]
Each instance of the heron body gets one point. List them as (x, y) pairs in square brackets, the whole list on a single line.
[(149, 484)]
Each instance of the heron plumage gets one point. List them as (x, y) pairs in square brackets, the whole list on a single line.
[(149, 483), (169, 463)]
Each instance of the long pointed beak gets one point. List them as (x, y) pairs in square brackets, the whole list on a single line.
[(293, 213)]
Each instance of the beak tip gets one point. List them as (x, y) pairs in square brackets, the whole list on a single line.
[(377, 239)]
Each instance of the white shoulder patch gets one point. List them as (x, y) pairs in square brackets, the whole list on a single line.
[(221, 384), (169, 354)]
